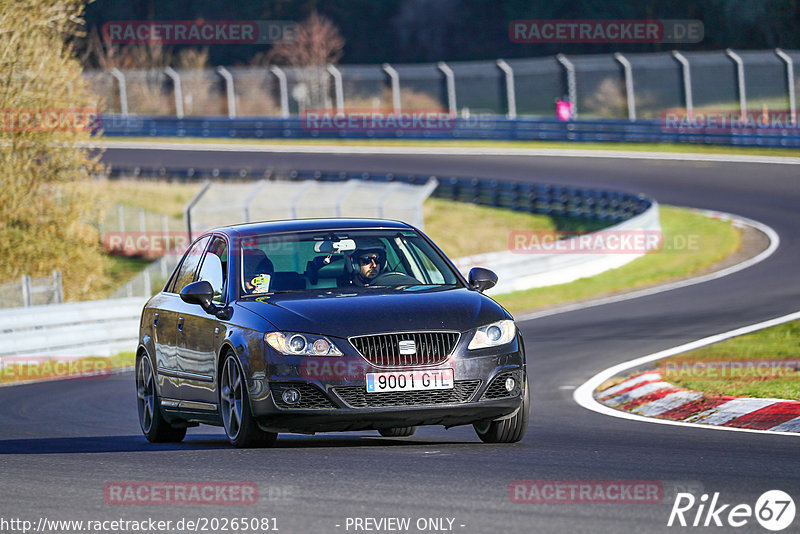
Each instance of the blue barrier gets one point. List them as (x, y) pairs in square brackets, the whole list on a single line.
[(475, 128)]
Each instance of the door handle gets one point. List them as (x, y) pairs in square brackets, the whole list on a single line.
[(180, 324), (155, 319)]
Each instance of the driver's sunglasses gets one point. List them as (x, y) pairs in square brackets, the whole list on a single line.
[(366, 259)]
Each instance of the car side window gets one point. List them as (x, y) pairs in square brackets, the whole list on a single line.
[(214, 266), (189, 266)]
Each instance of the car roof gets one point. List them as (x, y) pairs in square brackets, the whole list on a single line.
[(304, 225)]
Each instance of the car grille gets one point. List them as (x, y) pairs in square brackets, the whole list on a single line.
[(497, 389), (383, 350), (310, 396), (357, 396)]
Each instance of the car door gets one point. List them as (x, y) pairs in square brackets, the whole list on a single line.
[(201, 332), (166, 325)]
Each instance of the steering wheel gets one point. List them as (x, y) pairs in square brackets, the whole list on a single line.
[(394, 278)]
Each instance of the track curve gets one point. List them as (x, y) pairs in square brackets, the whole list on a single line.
[(82, 434)]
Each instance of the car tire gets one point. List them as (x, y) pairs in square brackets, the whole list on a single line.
[(509, 430), (398, 431), (234, 406), (153, 424)]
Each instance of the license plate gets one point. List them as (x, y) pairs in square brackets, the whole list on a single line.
[(409, 380)]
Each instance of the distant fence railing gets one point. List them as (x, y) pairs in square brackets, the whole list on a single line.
[(755, 133), (31, 291), (630, 86)]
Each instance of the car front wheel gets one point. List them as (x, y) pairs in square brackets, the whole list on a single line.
[(234, 404), (155, 428), (509, 430)]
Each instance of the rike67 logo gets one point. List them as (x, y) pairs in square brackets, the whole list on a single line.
[(774, 510)]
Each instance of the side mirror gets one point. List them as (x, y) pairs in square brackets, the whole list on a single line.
[(199, 293), (481, 279)]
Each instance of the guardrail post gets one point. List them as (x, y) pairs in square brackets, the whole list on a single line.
[(789, 83), (338, 88), (687, 82), (177, 90), (123, 90), (740, 79), (631, 97), (394, 79), (511, 95), (228, 77), (187, 210), (58, 287), (26, 290), (284, 89), (572, 86), (450, 81), (121, 217)]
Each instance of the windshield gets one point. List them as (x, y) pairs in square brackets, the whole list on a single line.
[(342, 259)]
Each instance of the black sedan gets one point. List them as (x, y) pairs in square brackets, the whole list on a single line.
[(327, 325)]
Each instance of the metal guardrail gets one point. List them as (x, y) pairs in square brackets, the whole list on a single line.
[(553, 200), (475, 128)]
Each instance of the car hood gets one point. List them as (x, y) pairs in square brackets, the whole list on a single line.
[(359, 311)]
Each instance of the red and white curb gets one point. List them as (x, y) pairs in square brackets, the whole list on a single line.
[(646, 397), (646, 394)]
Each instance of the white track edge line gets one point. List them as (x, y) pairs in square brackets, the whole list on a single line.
[(584, 394), (445, 151), (774, 243)]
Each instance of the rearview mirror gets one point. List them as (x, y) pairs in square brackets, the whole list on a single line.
[(482, 279), (199, 293)]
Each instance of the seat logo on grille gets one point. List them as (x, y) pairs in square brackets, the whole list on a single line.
[(408, 347)]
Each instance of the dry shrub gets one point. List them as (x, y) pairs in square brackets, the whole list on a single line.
[(46, 223), (608, 101)]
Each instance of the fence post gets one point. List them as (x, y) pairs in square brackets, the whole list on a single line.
[(338, 88), (121, 217), (740, 79), (511, 95), (187, 210), (630, 95), (177, 89), (572, 87), (59, 287), (394, 78), (790, 83), (228, 77), (450, 81), (284, 89), (123, 90), (165, 233), (146, 283), (687, 82), (142, 221), (26, 290)]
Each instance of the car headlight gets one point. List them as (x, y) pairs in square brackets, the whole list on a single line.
[(295, 344), (494, 334)]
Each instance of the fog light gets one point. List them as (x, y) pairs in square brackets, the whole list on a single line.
[(291, 396), (510, 384)]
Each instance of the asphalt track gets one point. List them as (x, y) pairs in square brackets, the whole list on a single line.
[(63, 441)]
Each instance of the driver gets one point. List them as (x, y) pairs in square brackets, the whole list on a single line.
[(368, 260)]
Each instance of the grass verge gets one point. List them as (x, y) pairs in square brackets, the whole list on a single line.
[(692, 243), (761, 364)]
